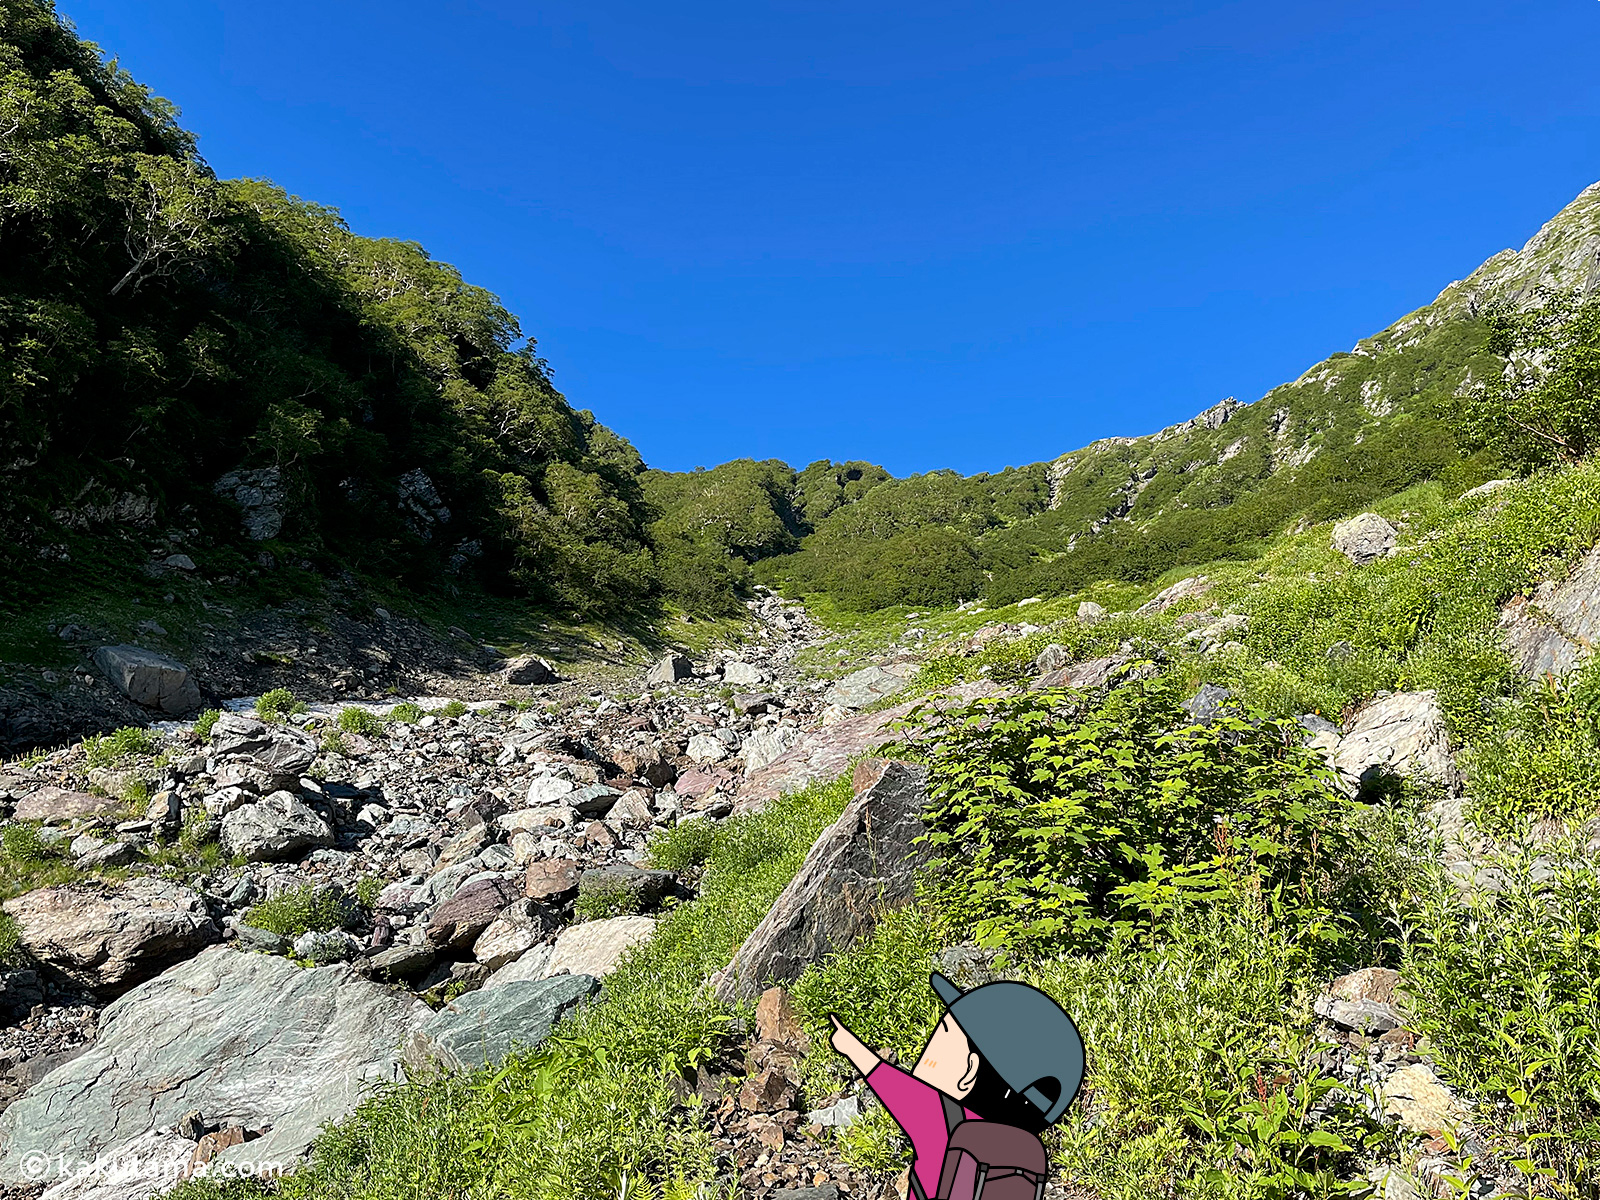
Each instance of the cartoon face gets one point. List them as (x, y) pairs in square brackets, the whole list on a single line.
[(948, 1061)]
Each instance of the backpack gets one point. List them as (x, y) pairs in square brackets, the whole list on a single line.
[(990, 1161)]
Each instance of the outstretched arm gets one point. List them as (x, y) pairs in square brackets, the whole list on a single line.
[(849, 1045)]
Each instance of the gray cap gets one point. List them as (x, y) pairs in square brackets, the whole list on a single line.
[(1023, 1034)]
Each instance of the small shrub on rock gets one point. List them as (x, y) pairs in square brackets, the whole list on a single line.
[(278, 704)]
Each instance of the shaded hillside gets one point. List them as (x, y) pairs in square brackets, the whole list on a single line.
[(220, 369), (1356, 426)]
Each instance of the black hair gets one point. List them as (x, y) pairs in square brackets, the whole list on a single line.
[(993, 1099)]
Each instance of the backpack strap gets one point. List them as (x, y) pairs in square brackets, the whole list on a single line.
[(954, 1114)]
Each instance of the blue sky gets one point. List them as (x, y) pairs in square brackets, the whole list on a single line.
[(930, 235)]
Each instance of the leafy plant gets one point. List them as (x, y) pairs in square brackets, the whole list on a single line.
[(598, 903), (278, 704), (453, 708), (110, 749), (22, 844), (301, 910), (361, 721), (406, 713), (206, 721)]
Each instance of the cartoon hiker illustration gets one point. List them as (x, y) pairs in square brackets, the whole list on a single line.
[(1000, 1067)]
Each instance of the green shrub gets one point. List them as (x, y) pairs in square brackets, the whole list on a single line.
[(333, 741), (687, 844), (278, 704), (1507, 988), (598, 903), (304, 909), (1538, 756), (22, 844), (367, 889), (361, 721), (453, 708), (406, 713), (1058, 816), (113, 748), (10, 939), (204, 723)]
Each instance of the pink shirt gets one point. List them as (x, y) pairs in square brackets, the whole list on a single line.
[(918, 1109)]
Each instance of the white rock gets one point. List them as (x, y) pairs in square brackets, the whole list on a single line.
[(595, 947)]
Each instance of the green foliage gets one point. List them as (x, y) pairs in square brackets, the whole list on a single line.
[(11, 951), (598, 903), (451, 710), (278, 704), (367, 889), (360, 721), (206, 721), (22, 844), (113, 748), (300, 910), (1059, 818), (1506, 985), (1545, 406), (1538, 756), (406, 713)]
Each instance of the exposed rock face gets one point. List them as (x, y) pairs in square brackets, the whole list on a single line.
[(595, 947), (530, 669), (861, 864), (1184, 589), (1401, 734), (1415, 1096), (669, 670), (277, 828), (1550, 634), (871, 684), (1364, 538), (248, 1039), (108, 938), (148, 678), (279, 755), (483, 1027), (51, 802), (1090, 674), (260, 496)]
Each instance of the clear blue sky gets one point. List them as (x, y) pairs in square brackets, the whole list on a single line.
[(927, 234)]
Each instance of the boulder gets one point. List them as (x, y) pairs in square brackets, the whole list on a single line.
[(50, 803), (530, 669), (703, 749), (248, 1039), (1365, 538), (743, 674), (593, 800), (1052, 658), (1402, 734), (404, 960), (1184, 589), (1206, 705), (459, 920), (109, 937), (861, 864), (529, 965), (520, 926), (1090, 613), (767, 745), (1550, 633), (150, 679), (871, 684), (482, 1027), (669, 670), (550, 879), (641, 889), (260, 496), (632, 811), (595, 947), (1091, 674), (1415, 1097), (281, 755), (275, 829)]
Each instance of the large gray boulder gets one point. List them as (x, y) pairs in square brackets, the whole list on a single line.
[(1404, 735), (1550, 633), (482, 1027), (248, 1039), (108, 937), (530, 669), (1184, 589), (148, 678), (260, 496), (1365, 538), (595, 947), (871, 684), (669, 670), (280, 827), (282, 754), (766, 745), (863, 863)]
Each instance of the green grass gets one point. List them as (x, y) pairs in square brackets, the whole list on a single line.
[(451, 710), (28, 862), (598, 903), (111, 749), (305, 909)]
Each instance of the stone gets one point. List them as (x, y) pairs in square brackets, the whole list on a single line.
[(111, 854), (260, 497), (871, 684), (482, 1027), (765, 746), (279, 827), (53, 803), (520, 926), (703, 749), (530, 964), (139, 1167), (632, 811), (1090, 613), (595, 947), (743, 674), (643, 889), (593, 800), (1365, 538), (325, 946), (548, 789), (1052, 658), (863, 863), (459, 920), (669, 670), (597, 835), (247, 1039), (1184, 589), (530, 669), (1360, 1016), (107, 938), (1415, 1097), (464, 846), (1551, 632), (403, 960), (1093, 673), (249, 937), (1403, 734), (778, 1021), (838, 1115), (550, 879), (283, 754), (693, 784), (1207, 704), (539, 819), (149, 679), (766, 1092)]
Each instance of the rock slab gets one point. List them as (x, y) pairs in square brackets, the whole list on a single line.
[(482, 1027), (150, 679), (862, 864), (248, 1039)]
